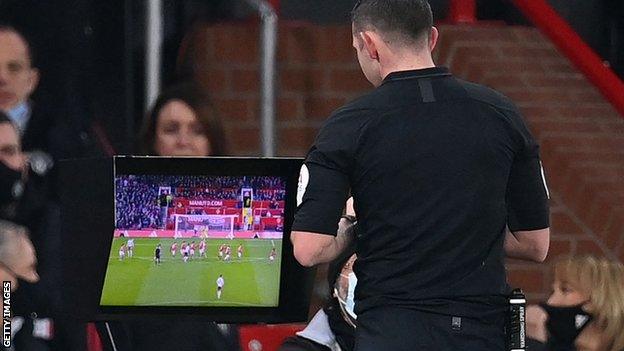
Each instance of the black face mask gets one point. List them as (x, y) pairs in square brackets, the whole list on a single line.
[(564, 325), (11, 186)]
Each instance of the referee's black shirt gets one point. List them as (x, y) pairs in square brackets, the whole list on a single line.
[(437, 167)]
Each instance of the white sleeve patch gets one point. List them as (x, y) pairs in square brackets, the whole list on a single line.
[(544, 180), (304, 179)]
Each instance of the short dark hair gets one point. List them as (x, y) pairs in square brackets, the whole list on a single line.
[(194, 96), (29, 49), (410, 19)]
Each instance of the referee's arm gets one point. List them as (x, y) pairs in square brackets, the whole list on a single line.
[(314, 248), (324, 189), (529, 245), (528, 224), (315, 235)]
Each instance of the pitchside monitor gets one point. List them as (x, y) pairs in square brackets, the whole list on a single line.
[(206, 236)]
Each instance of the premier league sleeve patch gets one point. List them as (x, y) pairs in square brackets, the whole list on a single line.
[(304, 179)]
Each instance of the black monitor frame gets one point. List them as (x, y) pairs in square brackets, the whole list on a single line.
[(87, 197)]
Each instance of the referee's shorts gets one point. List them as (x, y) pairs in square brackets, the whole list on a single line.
[(401, 329)]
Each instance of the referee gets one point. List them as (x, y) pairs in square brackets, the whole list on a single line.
[(446, 180)]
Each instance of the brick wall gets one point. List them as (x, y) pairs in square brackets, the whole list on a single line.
[(582, 136)]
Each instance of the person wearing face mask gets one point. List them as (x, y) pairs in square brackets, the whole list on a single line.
[(12, 164), (332, 328), (585, 311), (181, 123)]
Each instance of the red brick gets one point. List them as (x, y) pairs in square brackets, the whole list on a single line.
[(559, 66), (289, 108), (200, 47), (572, 187), (441, 52), (244, 140), (614, 233), (504, 81), (245, 80), (509, 66), (587, 95), (491, 34), (338, 45), (613, 126), (556, 81), (283, 37), (559, 248), (599, 214), (233, 109), (620, 254), (473, 53), (321, 107), (348, 80), (584, 111), (305, 80), (566, 126), (473, 73), (588, 247), (215, 81), (554, 204), (296, 139), (528, 53), (235, 43), (527, 35), (530, 280), (562, 224), (544, 97), (304, 45)]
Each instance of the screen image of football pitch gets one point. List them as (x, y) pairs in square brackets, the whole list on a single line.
[(250, 281)]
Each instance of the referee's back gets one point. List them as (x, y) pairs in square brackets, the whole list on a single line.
[(430, 162)]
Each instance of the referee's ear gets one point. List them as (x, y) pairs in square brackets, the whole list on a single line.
[(433, 38), (370, 40)]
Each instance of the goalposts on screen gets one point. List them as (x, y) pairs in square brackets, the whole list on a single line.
[(187, 225)]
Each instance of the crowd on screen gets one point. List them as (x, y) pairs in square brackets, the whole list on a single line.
[(137, 204)]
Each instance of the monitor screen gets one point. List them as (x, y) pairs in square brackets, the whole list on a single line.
[(183, 236), (194, 240)]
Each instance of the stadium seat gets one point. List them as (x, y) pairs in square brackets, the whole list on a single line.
[(266, 337)]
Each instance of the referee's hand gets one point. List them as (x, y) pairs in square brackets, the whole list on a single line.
[(349, 210)]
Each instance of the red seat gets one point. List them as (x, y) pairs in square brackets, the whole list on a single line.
[(266, 337)]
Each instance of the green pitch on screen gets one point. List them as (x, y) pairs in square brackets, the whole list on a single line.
[(138, 281)]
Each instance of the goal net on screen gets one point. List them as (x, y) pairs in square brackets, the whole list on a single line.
[(203, 225)]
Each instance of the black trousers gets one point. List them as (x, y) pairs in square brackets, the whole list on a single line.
[(401, 329)]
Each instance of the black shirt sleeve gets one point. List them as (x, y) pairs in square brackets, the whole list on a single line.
[(527, 193), (324, 179)]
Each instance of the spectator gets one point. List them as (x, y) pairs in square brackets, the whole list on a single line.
[(585, 310), (24, 201), (18, 78), (11, 167), (17, 255), (183, 123), (18, 263), (39, 127)]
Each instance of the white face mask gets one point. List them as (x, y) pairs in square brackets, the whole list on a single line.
[(350, 301), (347, 303)]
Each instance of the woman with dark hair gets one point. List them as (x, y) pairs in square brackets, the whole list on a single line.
[(183, 123)]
